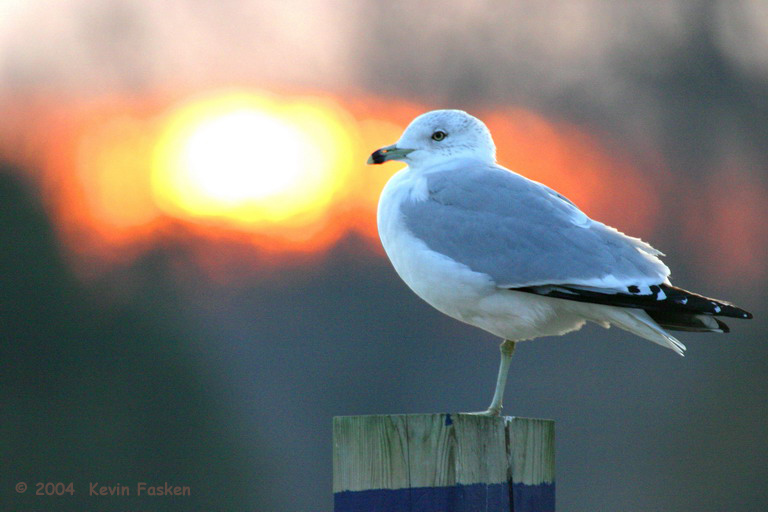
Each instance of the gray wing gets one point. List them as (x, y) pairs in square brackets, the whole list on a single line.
[(522, 233)]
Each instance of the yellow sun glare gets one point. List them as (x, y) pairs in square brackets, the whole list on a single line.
[(251, 160)]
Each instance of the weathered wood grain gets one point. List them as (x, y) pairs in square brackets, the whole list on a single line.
[(445, 462)]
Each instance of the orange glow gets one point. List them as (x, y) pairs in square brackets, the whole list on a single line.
[(112, 167), (727, 222), (236, 176), (95, 177)]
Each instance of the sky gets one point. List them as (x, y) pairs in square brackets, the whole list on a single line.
[(192, 247)]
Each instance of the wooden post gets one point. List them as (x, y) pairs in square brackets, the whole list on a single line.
[(443, 463)]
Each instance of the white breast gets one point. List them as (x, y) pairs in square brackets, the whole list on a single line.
[(445, 284)]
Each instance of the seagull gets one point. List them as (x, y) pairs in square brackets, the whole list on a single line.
[(515, 258)]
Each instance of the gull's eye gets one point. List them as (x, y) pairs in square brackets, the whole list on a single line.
[(439, 135)]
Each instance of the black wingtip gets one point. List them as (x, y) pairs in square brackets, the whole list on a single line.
[(705, 305), (660, 298), (737, 312)]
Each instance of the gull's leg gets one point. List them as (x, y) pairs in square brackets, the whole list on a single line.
[(507, 349)]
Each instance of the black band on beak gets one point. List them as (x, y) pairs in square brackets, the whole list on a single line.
[(379, 156)]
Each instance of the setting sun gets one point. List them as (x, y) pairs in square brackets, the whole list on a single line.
[(247, 159), (245, 155)]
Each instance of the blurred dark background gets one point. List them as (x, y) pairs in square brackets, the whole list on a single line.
[(155, 372)]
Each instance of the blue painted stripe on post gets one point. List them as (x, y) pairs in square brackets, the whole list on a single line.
[(533, 498), (454, 498)]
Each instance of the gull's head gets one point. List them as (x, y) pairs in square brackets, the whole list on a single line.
[(438, 136)]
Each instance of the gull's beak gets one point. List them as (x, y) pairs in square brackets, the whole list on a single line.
[(388, 153)]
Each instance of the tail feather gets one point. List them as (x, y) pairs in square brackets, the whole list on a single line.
[(640, 323), (676, 321)]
